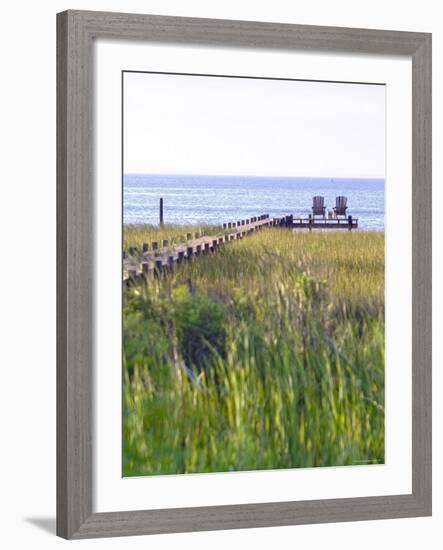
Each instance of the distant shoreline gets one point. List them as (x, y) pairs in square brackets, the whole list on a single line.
[(251, 176)]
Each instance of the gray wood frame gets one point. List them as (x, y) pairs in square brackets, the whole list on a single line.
[(76, 31)]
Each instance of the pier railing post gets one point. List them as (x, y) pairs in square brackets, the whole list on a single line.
[(158, 267), (161, 211)]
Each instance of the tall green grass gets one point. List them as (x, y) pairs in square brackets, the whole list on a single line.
[(269, 354)]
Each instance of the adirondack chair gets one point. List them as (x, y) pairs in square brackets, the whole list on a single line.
[(340, 206), (318, 206)]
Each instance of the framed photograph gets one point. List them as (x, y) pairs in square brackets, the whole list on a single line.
[(244, 274)]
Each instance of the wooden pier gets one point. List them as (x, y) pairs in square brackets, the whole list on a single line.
[(163, 257), (156, 258), (310, 223)]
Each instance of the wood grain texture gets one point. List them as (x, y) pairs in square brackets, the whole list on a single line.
[(157, 28), (74, 291), (422, 272), (62, 364), (76, 31)]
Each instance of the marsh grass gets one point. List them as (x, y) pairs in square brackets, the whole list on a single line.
[(269, 354)]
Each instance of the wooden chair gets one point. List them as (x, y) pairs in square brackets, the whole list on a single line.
[(318, 206), (340, 206)]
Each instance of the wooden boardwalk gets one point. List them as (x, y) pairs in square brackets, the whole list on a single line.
[(164, 258), (159, 259)]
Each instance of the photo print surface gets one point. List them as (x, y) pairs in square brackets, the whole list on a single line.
[(253, 274)]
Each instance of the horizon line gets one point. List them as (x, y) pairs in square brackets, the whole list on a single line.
[(252, 176)]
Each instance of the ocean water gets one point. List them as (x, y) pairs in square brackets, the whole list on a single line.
[(217, 199)]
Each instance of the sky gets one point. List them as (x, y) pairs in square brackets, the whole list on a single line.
[(179, 124)]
